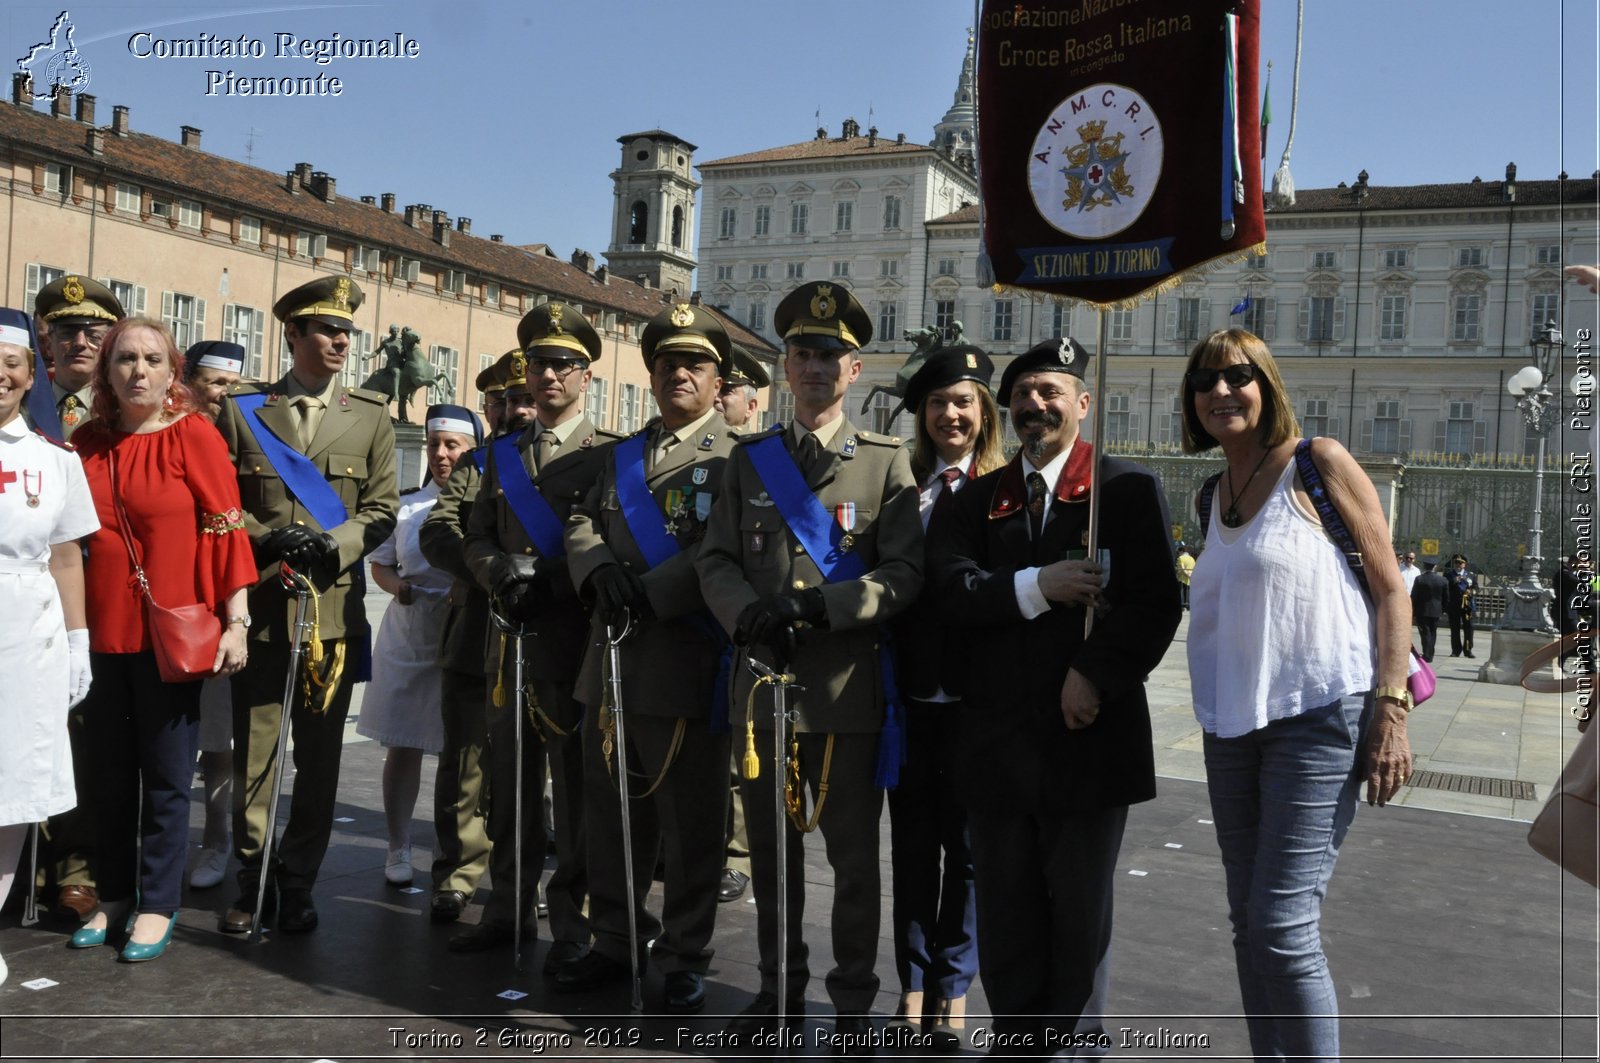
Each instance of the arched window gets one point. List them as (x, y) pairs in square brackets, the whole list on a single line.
[(638, 223), (677, 226)]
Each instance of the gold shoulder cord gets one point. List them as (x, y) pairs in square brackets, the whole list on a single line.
[(322, 671), (793, 791), (607, 723)]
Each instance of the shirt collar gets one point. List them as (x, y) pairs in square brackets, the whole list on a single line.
[(689, 431), (1052, 471), (824, 434), (16, 428)]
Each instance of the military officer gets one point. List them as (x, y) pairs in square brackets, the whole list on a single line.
[(462, 853), (317, 479), (74, 315), (630, 547), (515, 550), (817, 530), (741, 389)]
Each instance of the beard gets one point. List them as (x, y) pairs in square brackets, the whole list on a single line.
[(1046, 419)]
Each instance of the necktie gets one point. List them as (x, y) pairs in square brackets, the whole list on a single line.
[(946, 501), (1036, 502), (309, 408), (663, 445), (544, 445), (810, 451)]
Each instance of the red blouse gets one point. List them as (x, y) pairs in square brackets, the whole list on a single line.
[(181, 494)]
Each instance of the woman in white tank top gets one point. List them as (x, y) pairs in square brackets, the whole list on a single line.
[(1299, 682)]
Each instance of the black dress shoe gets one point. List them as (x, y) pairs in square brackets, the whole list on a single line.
[(686, 992), (296, 913), (760, 1017), (590, 972), (447, 906), (1469, 654), (734, 883), (854, 1036), (489, 934), (562, 953)]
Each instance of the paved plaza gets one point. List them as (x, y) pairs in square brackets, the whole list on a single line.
[(1449, 939)]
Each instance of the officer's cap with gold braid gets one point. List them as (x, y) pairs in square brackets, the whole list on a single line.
[(556, 330), (511, 370), (683, 327), (331, 300), (74, 300), (824, 315), (746, 369), (492, 379)]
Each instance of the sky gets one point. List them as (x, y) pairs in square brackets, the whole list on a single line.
[(510, 113)]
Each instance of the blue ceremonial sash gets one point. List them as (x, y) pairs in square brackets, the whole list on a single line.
[(808, 520), (639, 508), (480, 458), (527, 504), (303, 479)]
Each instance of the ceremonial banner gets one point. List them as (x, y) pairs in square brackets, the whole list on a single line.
[(1118, 142)]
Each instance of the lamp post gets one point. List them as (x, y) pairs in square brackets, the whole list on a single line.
[(1527, 609)]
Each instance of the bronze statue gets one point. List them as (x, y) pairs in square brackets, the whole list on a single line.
[(405, 370), (924, 341)]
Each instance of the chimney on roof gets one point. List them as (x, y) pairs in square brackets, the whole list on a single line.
[(85, 108), (464, 226), (95, 141), (370, 201), (851, 129), (22, 89), (441, 228), (414, 216), (583, 259), (694, 298), (291, 182), (388, 202), (1510, 188), (61, 101), (643, 279), (119, 120), (602, 275), (872, 137), (302, 173), (322, 186), (189, 136), (899, 138), (822, 132), (497, 238)]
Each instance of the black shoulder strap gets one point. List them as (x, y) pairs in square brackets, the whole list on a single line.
[(1331, 521), (1202, 502)]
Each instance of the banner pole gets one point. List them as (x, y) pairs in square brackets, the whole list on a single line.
[(1093, 551)]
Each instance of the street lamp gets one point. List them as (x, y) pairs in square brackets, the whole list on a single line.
[(1527, 608)]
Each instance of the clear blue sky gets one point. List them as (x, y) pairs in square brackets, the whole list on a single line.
[(511, 113)]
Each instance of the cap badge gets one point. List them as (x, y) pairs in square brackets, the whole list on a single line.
[(972, 361), (72, 290), (556, 311), (341, 293), (822, 304), (519, 366), (1065, 353), (682, 316)]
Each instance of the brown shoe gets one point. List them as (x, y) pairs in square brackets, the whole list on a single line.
[(76, 903)]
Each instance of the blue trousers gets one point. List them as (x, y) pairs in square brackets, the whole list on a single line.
[(1283, 798), (141, 736), (935, 914)]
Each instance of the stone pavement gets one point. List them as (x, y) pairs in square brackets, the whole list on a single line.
[(1448, 938)]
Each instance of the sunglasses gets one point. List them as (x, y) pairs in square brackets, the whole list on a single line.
[(1237, 376)]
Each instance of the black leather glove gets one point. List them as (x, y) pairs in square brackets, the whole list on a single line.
[(281, 542), (765, 622), (509, 570), (316, 548), (616, 587), (519, 602)]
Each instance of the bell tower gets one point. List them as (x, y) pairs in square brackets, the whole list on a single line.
[(653, 217), (954, 136)]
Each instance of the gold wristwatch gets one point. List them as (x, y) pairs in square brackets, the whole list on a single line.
[(1400, 694)]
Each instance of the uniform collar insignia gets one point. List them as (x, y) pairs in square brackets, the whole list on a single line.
[(849, 447), (709, 441)]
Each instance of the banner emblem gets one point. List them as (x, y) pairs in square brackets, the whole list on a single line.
[(1096, 161)]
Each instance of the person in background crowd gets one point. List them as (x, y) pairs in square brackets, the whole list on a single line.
[(168, 504), (1428, 595), (1408, 568), (764, 574), (44, 637), (515, 550), (631, 545), (73, 314), (1185, 571), (1298, 677), (1056, 728), (210, 368), (316, 472), (460, 788), (958, 435), (401, 706), (1459, 606), (737, 401)]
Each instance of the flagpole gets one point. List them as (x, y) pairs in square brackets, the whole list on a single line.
[(1095, 481)]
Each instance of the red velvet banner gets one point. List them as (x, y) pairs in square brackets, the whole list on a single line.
[(1118, 142)]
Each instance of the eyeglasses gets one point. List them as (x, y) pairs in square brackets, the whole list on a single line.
[(561, 367), (1237, 376), (91, 336)]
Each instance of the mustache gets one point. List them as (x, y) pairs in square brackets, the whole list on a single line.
[(1042, 418)]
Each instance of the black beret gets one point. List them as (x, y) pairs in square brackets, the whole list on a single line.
[(945, 367), (1059, 354)]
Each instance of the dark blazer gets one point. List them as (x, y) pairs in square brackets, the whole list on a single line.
[(1428, 596), (929, 653), (670, 661), (464, 644), (1021, 758), (557, 635)]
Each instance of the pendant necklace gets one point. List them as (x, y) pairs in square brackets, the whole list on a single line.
[(33, 496), (1230, 518)]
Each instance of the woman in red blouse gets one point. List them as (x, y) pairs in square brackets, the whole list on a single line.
[(181, 500)]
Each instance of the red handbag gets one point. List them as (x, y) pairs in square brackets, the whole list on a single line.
[(184, 639)]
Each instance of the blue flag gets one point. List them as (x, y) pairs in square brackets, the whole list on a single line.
[(1244, 304)]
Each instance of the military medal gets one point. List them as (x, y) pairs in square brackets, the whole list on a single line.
[(702, 506), (33, 495), (69, 414), (845, 514), (675, 509)]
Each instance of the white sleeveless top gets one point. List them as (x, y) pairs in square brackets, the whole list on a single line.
[(1278, 624)]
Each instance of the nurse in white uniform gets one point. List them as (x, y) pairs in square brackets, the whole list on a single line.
[(44, 638)]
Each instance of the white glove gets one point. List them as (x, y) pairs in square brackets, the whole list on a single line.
[(77, 667)]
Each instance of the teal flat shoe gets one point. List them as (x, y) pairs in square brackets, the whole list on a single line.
[(135, 952)]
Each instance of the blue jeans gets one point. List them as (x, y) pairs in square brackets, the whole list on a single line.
[(1283, 798)]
